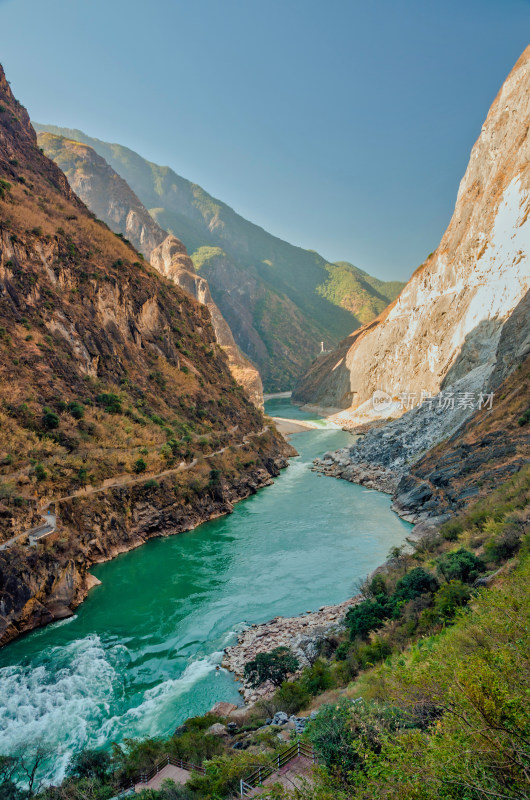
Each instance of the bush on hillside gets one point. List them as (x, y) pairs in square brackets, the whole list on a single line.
[(274, 667), (461, 565)]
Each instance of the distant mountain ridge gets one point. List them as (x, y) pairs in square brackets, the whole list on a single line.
[(280, 301), (109, 197)]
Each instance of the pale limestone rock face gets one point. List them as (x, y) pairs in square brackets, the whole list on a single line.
[(171, 260), (449, 317)]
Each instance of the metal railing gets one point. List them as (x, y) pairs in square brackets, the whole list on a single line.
[(257, 777), (145, 777)]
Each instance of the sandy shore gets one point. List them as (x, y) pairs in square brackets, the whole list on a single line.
[(287, 426)]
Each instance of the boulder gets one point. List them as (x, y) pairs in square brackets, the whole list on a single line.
[(217, 729)]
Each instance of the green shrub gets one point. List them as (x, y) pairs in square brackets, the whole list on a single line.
[(40, 472), (317, 678), (139, 466), (339, 734), (366, 655), (449, 598), (415, 583), (524, 419), (50, 419), (274, 667), (110, 402), (461, 565), (292, 696), (90, 764), (76, 409), (366, 617), (451, 530)]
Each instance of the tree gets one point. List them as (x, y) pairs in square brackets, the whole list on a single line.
[(90, 764), (461, 565), (32, 764), (50, 419), (415, 583), (139, 465), (274, 667), (365, 617)]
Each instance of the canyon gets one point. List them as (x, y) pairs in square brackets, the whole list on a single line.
[(279, 300)]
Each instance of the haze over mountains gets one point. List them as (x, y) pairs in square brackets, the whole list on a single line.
[(280, 301)]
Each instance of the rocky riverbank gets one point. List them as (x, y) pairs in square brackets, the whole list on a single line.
[(44, 586), (300, 634), (339, 464)]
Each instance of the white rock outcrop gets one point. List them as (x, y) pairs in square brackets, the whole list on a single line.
[(448, 319)]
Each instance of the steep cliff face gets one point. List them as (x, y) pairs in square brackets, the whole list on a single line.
[(111, 386), (280, 301), (484, 452), (105, 193), (170, 259), (112, 200), (448, 319)]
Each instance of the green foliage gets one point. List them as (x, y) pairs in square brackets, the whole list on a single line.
[(139, 466), (292, 696), (90, 764), (76, 409), (5, 187), (461, 565), (40, 472), (223, 774), (366, 617), (524, 419), (449, 598), (346, 733), (110, 402), (415, 583), (50, 420), (8, 789), (351, 288), (317, 678), (274, 666)]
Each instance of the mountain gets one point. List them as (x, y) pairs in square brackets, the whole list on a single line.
[(117, 408), (280, 301), (349, 287), (101, 189), (171, 259), (447, 321), (459, 334), (113, 201)]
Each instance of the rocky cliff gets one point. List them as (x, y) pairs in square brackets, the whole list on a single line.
[(105, 193), (171, 259), (280, 301), (464, 346), (112, 200), (117, 407), (448, 319)]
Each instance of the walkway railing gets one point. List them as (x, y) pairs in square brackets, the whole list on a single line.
[(260, 774), (145, 777)]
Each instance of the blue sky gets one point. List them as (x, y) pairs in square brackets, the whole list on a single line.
[(343, 126)]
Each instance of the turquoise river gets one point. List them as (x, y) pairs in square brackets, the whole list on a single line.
[(140, 654)]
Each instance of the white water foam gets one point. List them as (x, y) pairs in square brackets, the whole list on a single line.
[(75, 699)]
